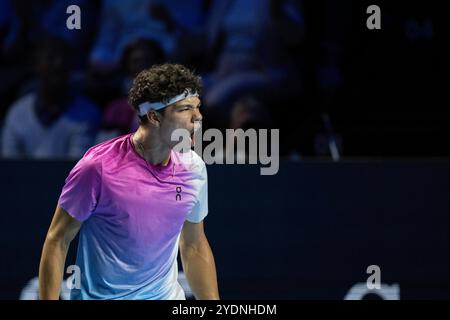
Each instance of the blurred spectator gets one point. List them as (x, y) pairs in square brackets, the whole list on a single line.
[(122, 22), (51, 121), (254, 33), (256, 43), (34, 20), (249, 112), (23, 24), (119, 117), (187, 21), (10, 75)]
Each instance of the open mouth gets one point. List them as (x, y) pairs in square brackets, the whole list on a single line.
[(191, 137), (197, 127)]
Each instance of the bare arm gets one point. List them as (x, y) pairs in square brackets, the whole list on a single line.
[(198, 262), (51, 269)]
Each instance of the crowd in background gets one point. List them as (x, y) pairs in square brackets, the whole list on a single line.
[(288, 64)]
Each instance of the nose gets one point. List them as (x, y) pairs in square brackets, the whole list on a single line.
[(197, 116)]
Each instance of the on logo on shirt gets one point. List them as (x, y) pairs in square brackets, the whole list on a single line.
[(178, 195)]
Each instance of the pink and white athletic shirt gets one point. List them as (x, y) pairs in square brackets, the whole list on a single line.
[(132, 214)]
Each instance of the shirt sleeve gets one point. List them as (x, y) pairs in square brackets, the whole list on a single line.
[(81, 191), (200, 209)]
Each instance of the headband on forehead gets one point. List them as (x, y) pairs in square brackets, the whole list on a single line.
[(145, 107)]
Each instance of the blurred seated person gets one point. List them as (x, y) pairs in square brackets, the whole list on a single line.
[(31, 21), (120, 23), (255, 42), (187, 23), (248, 112), (50, 121), (119, 117), (23, 24)]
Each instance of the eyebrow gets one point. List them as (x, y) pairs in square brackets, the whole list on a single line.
[(188, 105)]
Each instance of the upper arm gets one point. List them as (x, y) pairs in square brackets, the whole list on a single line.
[(192, 234), (63, 227)]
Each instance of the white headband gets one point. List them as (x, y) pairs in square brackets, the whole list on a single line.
[(143, 108)]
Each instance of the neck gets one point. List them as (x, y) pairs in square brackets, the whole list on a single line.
[(148, 144)]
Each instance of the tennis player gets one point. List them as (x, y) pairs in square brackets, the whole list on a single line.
[(135, 202)]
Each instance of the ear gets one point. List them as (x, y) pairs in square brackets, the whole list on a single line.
[(154, 117)]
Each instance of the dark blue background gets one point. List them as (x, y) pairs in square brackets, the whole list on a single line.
[(308, 232)]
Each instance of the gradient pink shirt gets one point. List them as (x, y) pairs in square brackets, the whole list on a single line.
[(132, 214)]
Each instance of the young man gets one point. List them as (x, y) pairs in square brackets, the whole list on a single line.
[(135, 201)]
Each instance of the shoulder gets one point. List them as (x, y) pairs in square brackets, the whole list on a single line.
[(91, 161), (191, 162), (111, 147), (86, 171), (98, 158)]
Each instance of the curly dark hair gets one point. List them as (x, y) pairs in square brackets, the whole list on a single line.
[(162, 82)]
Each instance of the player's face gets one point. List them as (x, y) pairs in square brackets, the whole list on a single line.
[(182, 115)]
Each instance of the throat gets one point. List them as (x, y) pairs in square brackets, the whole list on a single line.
[(152, 155)]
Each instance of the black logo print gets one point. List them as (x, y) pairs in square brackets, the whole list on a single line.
[(178, 195)]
